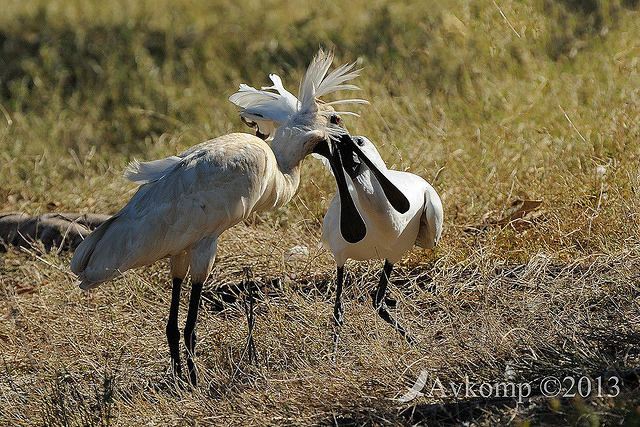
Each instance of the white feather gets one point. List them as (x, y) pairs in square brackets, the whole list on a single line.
[(263, 109), (316, 83), (145, 172), (269, 110)]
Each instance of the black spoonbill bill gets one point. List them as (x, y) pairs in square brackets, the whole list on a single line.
[(185, 202)]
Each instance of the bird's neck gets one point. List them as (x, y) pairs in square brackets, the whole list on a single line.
[(288, 164), (290, 146), (290, 177), (281, 182), (289, 154)]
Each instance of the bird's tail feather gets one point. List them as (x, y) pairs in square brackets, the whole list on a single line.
[(84, 252)]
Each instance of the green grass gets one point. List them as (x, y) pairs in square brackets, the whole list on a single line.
[(508, 100)]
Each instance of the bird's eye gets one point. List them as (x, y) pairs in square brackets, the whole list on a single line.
[(335, 119)]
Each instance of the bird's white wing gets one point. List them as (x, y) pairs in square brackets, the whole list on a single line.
[(215, 186), (204, 195)]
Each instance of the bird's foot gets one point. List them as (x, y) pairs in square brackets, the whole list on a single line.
[(193, 372), (410, 340)]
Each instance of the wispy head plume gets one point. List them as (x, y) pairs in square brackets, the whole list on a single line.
[(270, 107)]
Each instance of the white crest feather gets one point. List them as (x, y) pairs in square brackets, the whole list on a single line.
[(316, 83), (267, 110)]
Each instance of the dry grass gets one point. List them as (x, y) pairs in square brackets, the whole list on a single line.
[(512, 100), (104, 354)]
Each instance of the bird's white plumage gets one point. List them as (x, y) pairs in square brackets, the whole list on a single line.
[(390, 234), (145, 172), (268, 110), (212, 187), (186, 201), (315, 85)]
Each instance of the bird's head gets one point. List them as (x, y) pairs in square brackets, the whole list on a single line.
[(348, 155), (276, 113)]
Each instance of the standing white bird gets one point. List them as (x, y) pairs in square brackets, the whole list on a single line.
[(390, 233), (186, 201)]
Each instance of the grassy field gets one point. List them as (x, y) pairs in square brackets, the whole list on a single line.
[(492, 102)]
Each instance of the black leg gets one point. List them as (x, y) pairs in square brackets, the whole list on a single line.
[(381, 306), (250, 313), (190, 337), (338, 310), (173, 334)]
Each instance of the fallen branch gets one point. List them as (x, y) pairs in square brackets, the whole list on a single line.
[(53, 230)]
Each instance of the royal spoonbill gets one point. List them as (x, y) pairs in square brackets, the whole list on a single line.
[(390, 233), (185, 202)]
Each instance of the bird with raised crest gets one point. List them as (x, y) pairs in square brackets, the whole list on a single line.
[(376, 214), (185, 202)]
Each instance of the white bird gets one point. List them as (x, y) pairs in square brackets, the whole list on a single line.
[(389, 233), (186, 201)]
